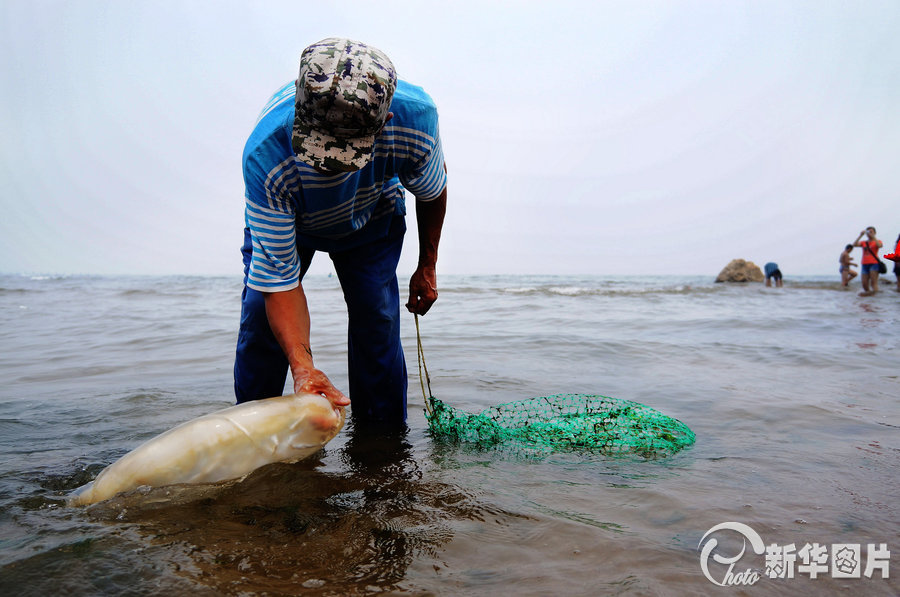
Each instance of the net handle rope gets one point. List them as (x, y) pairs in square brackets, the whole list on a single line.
[(426, 378)]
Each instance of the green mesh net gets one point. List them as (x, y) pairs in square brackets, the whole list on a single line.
[(558, 422), (565, 421)]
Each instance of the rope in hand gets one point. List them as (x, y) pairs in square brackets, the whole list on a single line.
[(426, 379)]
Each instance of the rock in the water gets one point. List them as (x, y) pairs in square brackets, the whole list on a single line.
[(741, 271)]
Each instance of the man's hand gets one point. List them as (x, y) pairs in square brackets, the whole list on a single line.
[(313, 381), (422, 290)]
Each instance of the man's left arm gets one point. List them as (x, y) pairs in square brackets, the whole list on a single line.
[(423, 283)]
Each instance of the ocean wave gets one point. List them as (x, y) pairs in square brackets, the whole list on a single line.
[(581, 291)]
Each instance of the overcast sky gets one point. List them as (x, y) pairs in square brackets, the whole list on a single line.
[(581, 137)]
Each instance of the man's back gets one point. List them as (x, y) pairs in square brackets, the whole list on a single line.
[(289, 202)]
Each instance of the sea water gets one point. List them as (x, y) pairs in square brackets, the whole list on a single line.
[(792, 393)]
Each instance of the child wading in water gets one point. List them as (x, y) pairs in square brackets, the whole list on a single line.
[(846, 261)]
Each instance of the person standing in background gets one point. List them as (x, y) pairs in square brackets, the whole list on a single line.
[(869, 260), (772, 272), (896, 261), (846, 261)]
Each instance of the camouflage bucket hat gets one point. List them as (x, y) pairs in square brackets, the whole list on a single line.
[(344, 93)]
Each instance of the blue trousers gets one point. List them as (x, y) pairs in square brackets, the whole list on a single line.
[(377, 367)]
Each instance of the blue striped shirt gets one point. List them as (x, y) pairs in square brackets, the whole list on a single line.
[(289, 204)]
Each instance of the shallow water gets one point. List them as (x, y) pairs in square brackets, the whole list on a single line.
[(792, 394)]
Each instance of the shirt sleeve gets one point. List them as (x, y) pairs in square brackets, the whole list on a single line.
[(275, 266), (426, 177)]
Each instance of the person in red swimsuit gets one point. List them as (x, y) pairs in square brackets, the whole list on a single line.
[(896, 261), (869, 261)]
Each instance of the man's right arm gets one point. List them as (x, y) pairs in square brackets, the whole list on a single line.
[(288, 315)]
